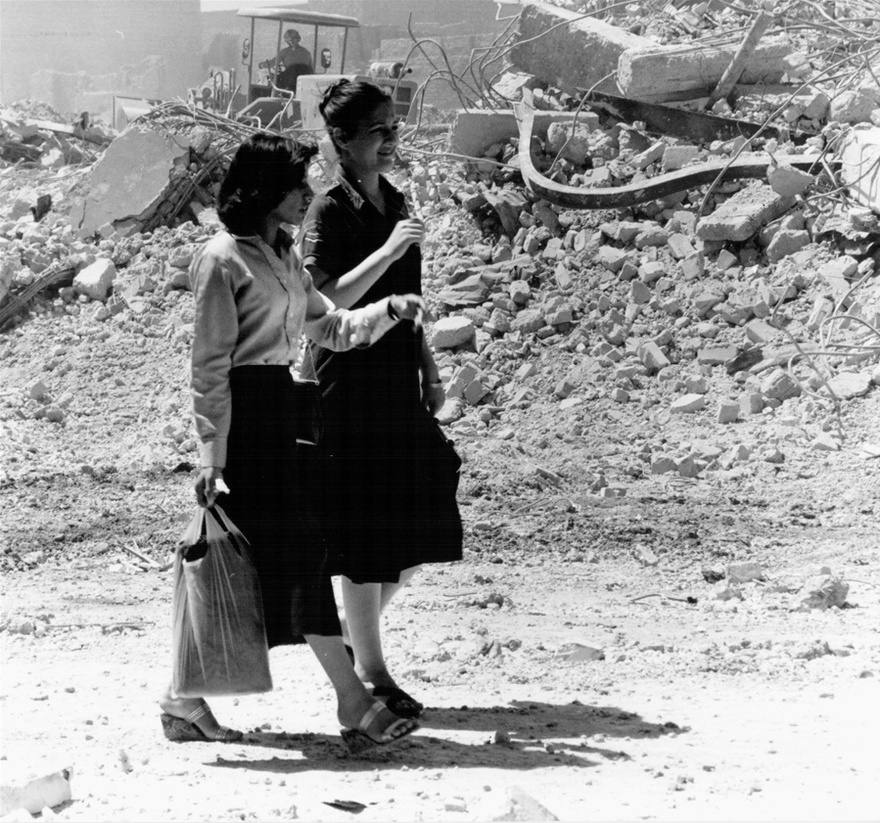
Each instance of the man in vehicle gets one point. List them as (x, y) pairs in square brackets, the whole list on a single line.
[(293, 60)]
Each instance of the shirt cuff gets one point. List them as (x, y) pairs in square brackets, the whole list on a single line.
[(213, 453)]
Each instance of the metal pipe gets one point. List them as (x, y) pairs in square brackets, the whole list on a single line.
[(315, 48), (344, 44), (251, 64)]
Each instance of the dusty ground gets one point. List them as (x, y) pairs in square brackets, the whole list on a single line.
[(746, 709)]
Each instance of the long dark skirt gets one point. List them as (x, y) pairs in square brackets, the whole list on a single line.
[(270, 502)]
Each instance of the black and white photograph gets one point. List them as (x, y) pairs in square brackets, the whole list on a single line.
[(439, 411)]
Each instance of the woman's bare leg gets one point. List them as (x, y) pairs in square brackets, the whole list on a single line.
[(364, 603), (353, 699)]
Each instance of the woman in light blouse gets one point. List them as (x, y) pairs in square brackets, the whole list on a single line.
[(253, 301)]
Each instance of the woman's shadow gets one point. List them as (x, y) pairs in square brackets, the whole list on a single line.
[(520, 735)]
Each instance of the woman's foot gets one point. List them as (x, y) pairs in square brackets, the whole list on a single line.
[(377, 726), (190, 718), (398, 701)]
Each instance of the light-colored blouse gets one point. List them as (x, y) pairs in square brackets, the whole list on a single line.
[(251, 308)]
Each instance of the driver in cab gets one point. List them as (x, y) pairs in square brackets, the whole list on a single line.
[(293, 61)]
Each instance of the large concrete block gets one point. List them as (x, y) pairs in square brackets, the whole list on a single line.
[(658, 73), (132, 178), (579, 55), (744, 214)]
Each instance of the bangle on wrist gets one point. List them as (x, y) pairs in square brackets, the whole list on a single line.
[(434, 382), (391, 312)]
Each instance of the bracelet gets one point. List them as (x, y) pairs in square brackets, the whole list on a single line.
[(435, 382), (391, 312)]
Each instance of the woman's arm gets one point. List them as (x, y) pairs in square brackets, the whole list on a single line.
[(215, 331), (341, 329), (346, 290), (433, 393)]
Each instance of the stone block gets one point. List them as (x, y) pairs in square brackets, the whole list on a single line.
[(789, 181), (780, 385), (96, 280), (680, 245), (584, 53), (640, 294), (705, 301), (693, 266), (611, 258), (651, 236), (728, 412), (743, 215), (528, 321), (751, 402), (652, 357), (852, 106), (786, 242), (688, 403), (649, 155), (659, 73), (725, 260), (847, 385), (760, 332), (677, 157), (663, 465), (520, 292), (716, 355), (451, 332)]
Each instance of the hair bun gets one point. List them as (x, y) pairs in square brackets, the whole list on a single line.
[(331, 91)]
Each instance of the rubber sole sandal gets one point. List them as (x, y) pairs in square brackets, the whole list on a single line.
[(358, 741), (398, 701), (185, 730)]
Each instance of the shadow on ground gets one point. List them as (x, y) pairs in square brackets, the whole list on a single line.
[(523, 735)]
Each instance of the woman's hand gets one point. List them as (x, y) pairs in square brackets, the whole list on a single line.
[(433, 396), (406, 306), (208, 485), (404, 234)]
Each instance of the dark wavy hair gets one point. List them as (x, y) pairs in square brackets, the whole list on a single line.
[(348, 103), (265, 168)]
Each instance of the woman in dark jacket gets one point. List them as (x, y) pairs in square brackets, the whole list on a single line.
[(360, 244)]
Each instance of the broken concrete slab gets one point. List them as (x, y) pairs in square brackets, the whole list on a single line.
[(656, 73), (789, 181), (744, 214), (130, 180), (847, 385), (583, 54), (860, 166), (472, 132)]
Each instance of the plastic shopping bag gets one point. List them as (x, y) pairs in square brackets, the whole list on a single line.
[(219, 630)]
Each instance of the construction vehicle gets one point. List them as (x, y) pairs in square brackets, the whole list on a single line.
[(261, 100)]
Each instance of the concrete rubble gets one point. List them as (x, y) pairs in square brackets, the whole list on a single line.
[(752, 309)]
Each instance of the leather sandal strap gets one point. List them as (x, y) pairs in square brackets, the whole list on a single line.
[(370, 715), (197, 713)]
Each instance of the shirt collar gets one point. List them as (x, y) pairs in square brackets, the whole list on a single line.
[(358, 199), (284, 237)]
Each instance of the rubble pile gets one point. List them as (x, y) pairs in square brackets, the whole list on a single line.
[(743, 315), (32, 133)]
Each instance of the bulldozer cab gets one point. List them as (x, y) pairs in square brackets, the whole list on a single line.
[(269, 98)]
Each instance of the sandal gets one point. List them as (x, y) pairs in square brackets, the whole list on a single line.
[(359, 740), (396, 699), (186, 729)]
